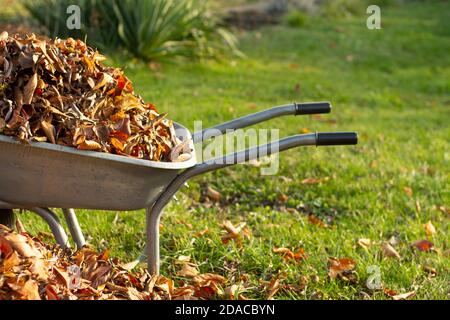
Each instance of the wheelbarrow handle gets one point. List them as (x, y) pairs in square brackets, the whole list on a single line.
[(310, 139), (336, 138), (251, 119)]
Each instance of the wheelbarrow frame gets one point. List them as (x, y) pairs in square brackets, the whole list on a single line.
[(155, 210)]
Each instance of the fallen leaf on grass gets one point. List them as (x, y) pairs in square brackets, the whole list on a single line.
[(316, 221), (418, 206), (408, 191), (364, 243), (423, 245), (283, 198), (234, 292), (188, 270), (235, 233), (445, 210), (303, 131), (213, 194), (315, 180), (404, 296), (389, 251), (430, 230), (272, 288), (341, 268), (389, 292), (201, 233), (208, 285), (287, 254), (430, 270), (188, 225)]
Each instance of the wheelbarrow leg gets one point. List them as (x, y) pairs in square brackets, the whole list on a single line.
[(74, 227), (152, 246), (55, 225)]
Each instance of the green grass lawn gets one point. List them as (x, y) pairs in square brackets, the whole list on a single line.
[(390, 85)]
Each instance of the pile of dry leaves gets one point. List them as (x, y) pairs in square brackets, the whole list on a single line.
[(30, 269), (59, 91)]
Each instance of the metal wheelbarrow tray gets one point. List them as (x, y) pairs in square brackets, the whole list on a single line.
[(42, 175)]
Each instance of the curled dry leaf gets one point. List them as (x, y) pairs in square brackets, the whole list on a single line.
[(389, 251)]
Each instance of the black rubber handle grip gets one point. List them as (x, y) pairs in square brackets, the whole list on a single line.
[(312, 108), (336, 138)]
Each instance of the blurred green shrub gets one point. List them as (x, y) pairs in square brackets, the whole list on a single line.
[(295, 19), (343, 8), (146, 29)]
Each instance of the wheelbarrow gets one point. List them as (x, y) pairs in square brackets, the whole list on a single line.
[(36, 177)]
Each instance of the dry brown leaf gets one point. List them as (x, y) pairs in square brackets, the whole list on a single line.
[(430, 230), (272, 288), (90, 145), (188, 270), (19, 226), (26, 291), (9, 262), (389, 292), (201, 233), (213, 194), (408, 191), (340, 268), (315, 180), (28, 90), (404, 296), (316, 221), (389, 251), (287, 254), (283, 198), (423, 245), (184, 293), (235, 233), (20, 244), (445, 210), (183, 259), (233, 292), (364, 243)]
